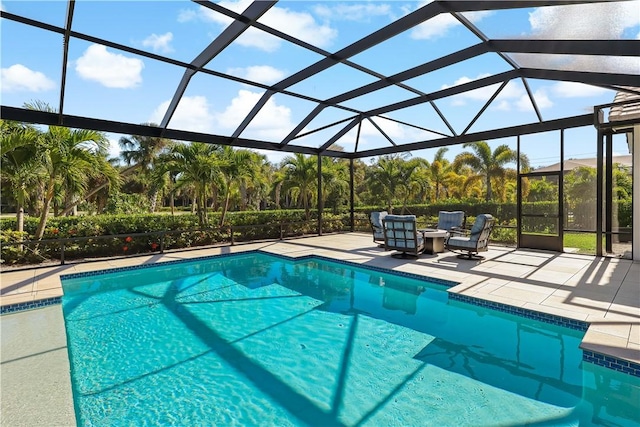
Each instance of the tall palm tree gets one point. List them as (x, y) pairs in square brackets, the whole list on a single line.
[(255, 188), (335, 182), (409, 184), (390, 178), (142, 152), (487, 165), (21, 168), (236, 167), (440, 172), (71, 156), (278, 178), (301, 179), (196, 165)]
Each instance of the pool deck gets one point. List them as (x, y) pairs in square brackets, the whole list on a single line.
[(604, 292)]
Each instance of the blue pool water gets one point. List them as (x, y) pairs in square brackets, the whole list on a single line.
[(254, 339)]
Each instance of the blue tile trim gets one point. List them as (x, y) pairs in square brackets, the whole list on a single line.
[(143, 266), (438, 281), (30, 305), (578, 325), (620, 365), (288, 258)]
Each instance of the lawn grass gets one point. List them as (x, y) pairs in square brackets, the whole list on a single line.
[(584, 242)]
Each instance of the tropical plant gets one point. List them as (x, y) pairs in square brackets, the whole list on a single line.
[(441, 171), (487, 166), (197, 166), (335, 183), (236, 167), (142, 152), (71, 157), (21, 169), (300, 180), (419, 185), (391, 177)]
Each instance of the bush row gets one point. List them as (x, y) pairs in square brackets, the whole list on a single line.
[(117, 235), (131, 231)]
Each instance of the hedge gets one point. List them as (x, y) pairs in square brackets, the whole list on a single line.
[(182, 231), (131, 233)]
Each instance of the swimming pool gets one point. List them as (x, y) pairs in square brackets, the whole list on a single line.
[(255, 339)]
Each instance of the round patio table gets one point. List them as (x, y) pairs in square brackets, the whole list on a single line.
[(433, 240)]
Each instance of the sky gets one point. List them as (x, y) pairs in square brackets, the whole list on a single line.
[(103, 82)]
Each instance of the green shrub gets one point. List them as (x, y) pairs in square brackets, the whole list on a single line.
[(124, 203)]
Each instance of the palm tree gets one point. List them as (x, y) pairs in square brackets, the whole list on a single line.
[(196, 165), (419, 184), (71, 157), (255, 188), (390, 178), (335, 182), (440, 172), (487, 165), (277, 182), (301, 179), (142, 152), (21, 169), (236, 167)]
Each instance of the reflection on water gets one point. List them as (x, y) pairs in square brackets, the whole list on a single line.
[(326, 342), (527, 357)]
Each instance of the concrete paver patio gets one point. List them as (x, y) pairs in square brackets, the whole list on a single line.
[(602, 291)]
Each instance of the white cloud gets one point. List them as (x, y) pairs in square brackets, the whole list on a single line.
[(258, 73), (542, 101), (352, 12), (511, 91), (576, 90), (159, 43), (513, 96), (503, 105), (439, 25), (187, 15), (114, 147), (301, 25), (272, 122), (435, 27), (109, 69), (20, 78), (192, 114), (606, 20), (370, 134)]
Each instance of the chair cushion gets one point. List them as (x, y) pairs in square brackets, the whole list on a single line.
[(391, 217), (407, 243), (405, 222), (479, 224), (448, 220), (377, 217), (462, 243)]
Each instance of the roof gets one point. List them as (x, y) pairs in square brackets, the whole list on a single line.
[(369, 95), (592, 162), (627, 105)]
